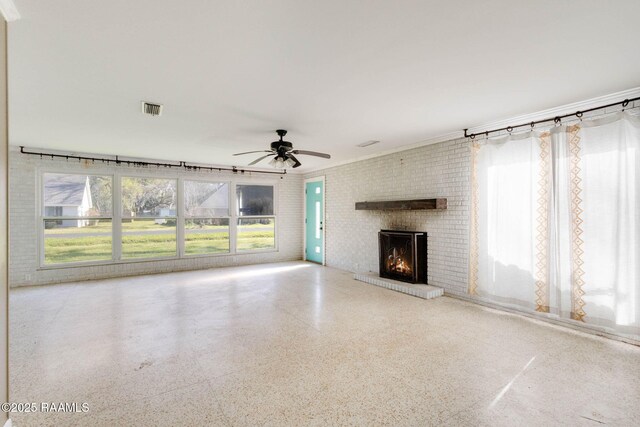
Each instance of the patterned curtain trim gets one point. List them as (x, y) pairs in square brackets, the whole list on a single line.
[(542, 228), (577, 281), (474, 242)]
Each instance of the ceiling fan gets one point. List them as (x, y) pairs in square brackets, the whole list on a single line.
[(283, 153)]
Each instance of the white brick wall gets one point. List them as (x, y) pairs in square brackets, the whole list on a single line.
[(438, 170), (23, 244)]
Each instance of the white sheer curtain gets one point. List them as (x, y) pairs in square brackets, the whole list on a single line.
[(555, 223), (505, 175), (605, 195)]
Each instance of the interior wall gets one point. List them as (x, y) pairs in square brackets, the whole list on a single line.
[(438, 170), (24, 268), (4, 292)]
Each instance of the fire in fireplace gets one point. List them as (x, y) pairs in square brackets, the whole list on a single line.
[(403, 255)]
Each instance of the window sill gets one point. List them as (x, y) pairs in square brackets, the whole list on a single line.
[(138, 261)]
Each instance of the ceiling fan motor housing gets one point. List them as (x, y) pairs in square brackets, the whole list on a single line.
[(281, 145)]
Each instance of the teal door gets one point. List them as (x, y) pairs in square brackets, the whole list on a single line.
[(314, 221)]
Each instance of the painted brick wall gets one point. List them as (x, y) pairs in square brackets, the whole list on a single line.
[(23, 260), (438, 170)]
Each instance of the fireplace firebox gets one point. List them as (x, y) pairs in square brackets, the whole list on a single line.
[(403, 255)]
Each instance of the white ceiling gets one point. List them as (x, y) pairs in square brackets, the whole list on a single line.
[(335, 73)]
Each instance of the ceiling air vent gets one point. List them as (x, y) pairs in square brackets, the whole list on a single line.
[(151, 109)]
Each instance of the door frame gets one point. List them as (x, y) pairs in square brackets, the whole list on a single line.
[(324, 217)]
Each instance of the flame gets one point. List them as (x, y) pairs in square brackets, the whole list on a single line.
[(396, 263)]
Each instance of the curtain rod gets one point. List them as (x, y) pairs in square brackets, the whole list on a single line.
[(118, 161), (556, 119)]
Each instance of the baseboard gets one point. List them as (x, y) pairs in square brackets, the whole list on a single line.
[(588, 329)]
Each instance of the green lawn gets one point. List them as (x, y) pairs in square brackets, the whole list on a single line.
[(149, 246), (250, 240), (60, 250), (213, 243), (137, 225)]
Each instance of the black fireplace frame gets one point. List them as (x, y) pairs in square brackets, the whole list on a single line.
[(419, 242)]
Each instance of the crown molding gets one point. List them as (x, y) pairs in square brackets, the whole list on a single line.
[(558, 111), (9, 10), (525, 118), (434, 140)]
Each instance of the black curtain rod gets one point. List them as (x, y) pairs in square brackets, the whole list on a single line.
[(556, 119), (117, 161)]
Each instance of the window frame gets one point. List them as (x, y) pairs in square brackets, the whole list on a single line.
[(117, 217), (182, 206), (42, 218), (121, 217), (236, 216)]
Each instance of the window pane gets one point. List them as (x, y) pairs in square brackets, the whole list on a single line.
[(206, 236), (254, 199), (74, 195), (257, 233), (148, 238), (206, 199), (77, 240), (150, 197)]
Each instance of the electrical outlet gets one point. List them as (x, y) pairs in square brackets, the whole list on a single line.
[(27, 277)]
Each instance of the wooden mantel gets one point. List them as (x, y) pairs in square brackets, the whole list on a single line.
[(398, 205)]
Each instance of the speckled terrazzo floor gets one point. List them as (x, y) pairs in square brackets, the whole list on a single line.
[(298, 344)]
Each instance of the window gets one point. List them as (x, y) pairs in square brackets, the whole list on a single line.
[(156, 218), (554, 224), (206, 211), (149, 217), (53, 211), (256, 220), (77, 218)]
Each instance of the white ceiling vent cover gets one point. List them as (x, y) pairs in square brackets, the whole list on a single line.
[(151, 109)]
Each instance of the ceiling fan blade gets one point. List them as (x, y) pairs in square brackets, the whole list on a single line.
[(250, 152), (260, 159), (292, 157), (312, 153)]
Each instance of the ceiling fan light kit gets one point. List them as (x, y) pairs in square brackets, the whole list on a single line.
[(290, 162), (277, 163), (283, 153)]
